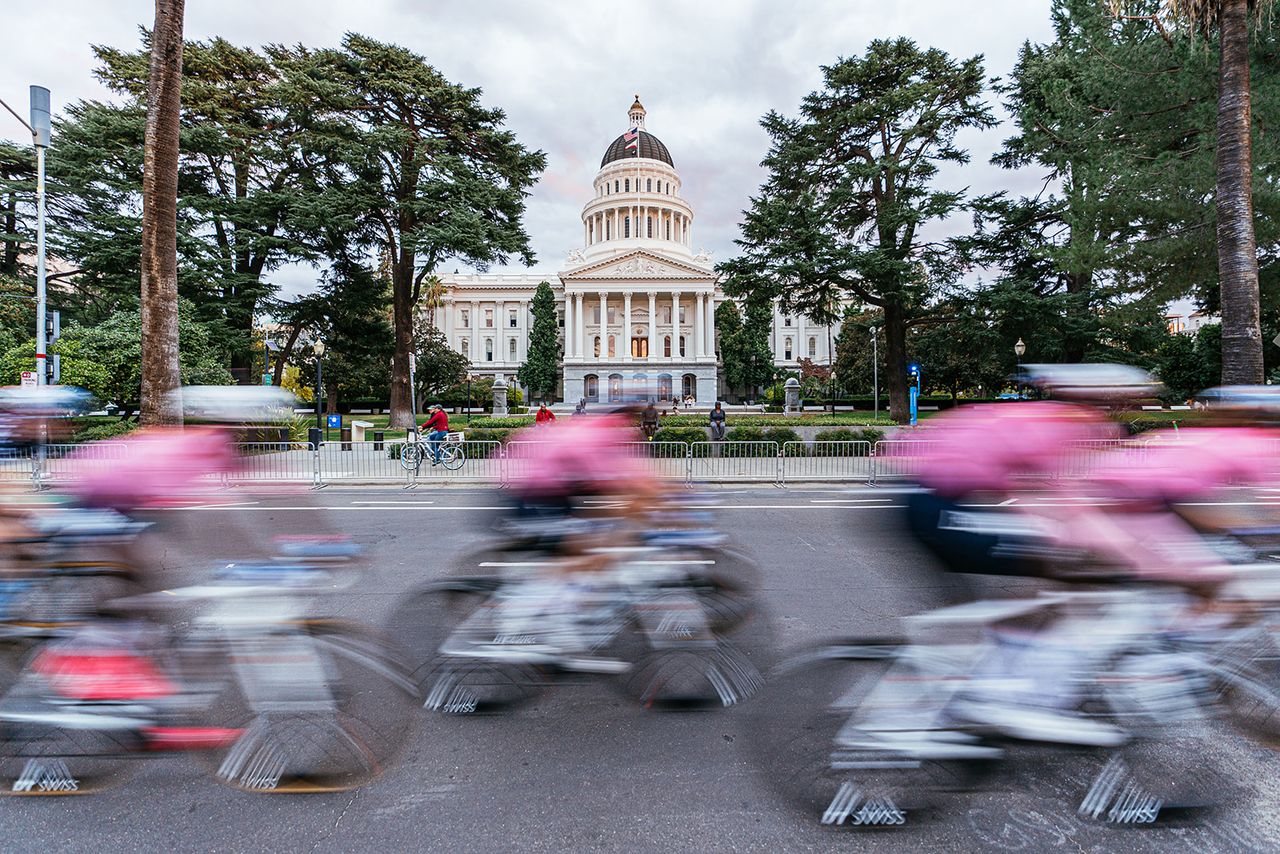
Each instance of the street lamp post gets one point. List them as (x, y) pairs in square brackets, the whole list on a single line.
[(318, 349), (1019, 350), (41, 130), (875, 371)]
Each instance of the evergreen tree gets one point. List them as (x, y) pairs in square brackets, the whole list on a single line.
[(849, 189), (540, 373), (421, 170)]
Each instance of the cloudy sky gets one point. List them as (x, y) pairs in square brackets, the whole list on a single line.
[(565, 73)]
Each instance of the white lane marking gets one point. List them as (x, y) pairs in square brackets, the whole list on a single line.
[(212, 505), (1007, 502), (390, 503), (339, 508), (846, 500)]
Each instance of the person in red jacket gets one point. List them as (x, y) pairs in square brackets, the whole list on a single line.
[(544, 416), (436, 430)]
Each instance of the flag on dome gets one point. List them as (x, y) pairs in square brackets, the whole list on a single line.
[(633, 139)]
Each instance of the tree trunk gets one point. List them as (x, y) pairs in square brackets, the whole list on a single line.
[(895, 333), (1237, 249), (160, 371), (402, 309)]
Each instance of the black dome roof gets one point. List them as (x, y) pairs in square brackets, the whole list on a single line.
[(650, 146)]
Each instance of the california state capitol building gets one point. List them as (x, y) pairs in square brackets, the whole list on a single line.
[(636, 304)]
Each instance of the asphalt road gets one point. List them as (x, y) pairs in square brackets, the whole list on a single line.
[(581, 768)]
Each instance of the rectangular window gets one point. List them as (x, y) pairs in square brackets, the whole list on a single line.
[(466, 319), (613, 314), (786, 321), (488, 318), (511, 318), (682, 320)]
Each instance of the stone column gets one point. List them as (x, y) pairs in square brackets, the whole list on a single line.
[(625, 343), (568, 325), (697, 324), (604, 326), (801, 350), (580, 331), (675, 325), (500, 340), (711, 324), (448, 321), (526, 327), (499, 396), (653, 327), (475, 332)]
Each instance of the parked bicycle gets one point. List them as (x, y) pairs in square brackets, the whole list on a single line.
[(452, 451)]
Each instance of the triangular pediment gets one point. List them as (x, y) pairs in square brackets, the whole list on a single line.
[(640, 264)]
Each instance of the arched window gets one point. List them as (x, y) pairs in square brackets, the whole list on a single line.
[(813, 347), (511, 350), (666, 346), (681, 345), (615, 185), (597, 348), (648, 185), (626, 227), (649, 225), (668, 229), (591, 387), (591, 232), (613, 351), (615, 388), (626, 186), (786, 350), (608, 229), (664, 386), (488, 349)]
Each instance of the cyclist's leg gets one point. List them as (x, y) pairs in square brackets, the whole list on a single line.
[(434, 439)]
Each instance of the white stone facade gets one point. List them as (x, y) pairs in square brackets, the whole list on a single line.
[(636, 304)]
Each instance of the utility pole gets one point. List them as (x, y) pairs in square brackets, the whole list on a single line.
[(41, 128)]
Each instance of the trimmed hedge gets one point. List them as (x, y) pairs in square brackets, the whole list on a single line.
[(681, 434), (840, 419)]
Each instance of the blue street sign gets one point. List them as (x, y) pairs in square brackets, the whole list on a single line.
[(335, 422), (915, 394)]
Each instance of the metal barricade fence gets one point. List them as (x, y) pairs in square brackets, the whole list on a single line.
[(518, 459), (837, 460), (666, 460), (1082, 456), (58, 463), (273, 462), (359, 462), (734, 461), (483, 463), (17, 464), (893, 458)]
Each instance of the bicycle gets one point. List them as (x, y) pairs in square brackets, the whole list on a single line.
[(452, 451)]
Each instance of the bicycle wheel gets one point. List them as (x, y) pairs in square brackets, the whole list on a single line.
[(411, 456), (452, 457), (449, 684), (726, 588), (344, 746), (795, 728), (43, 759)]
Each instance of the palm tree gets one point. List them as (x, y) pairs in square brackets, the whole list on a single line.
[(1233, 198), (160, 373)]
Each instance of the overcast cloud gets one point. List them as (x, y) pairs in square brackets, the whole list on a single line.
[(565, 73)]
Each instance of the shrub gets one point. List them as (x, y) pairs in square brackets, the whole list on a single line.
[(100, 430), (745, 434), (681, 434), (783, 435), (509, 422), (869, 435)]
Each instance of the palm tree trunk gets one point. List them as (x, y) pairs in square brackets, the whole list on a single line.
[(1237, 249), (160, 373)]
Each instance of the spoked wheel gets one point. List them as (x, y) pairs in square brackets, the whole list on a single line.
[(342, 746), (411, 456), (726, 586), (797, 721), (452, 684), (41, 759), (694, 678), (452, 457)]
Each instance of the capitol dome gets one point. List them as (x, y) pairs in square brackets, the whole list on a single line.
[(627, 145), (650, 146)]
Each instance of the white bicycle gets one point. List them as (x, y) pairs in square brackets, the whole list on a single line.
[(452, 451)]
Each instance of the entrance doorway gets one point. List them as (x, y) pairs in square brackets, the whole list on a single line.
[(689, 386)]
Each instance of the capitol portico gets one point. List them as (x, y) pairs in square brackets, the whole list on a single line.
[(636, 305)]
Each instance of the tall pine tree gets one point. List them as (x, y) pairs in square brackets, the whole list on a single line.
[(540, 373)]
